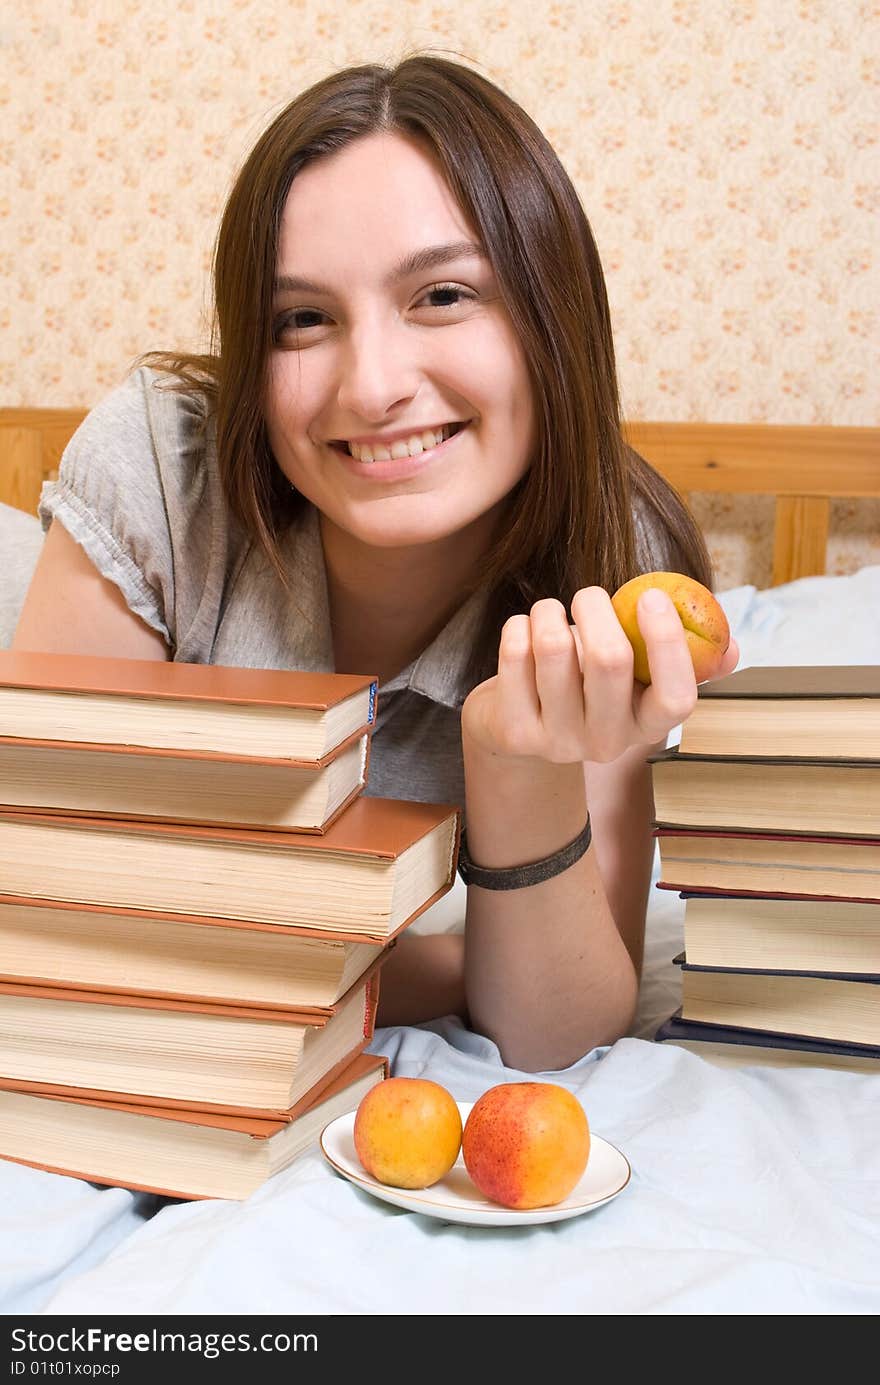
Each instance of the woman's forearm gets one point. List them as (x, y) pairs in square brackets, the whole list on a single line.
[(422, 979), (547, 975)]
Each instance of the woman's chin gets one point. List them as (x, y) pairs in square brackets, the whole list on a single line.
[(403, 524)]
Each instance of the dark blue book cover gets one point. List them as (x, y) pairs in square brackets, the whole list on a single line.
[(869, 976), (693, 1031)]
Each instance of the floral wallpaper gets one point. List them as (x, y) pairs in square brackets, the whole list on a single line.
[(726, 152)]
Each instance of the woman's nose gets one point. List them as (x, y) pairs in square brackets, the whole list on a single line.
[(377, 370)]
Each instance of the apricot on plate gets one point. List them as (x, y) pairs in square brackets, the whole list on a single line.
[(407, 1132), (705, 624), (526, 1144)]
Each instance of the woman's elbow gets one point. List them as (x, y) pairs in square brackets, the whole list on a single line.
[(544, 1049)]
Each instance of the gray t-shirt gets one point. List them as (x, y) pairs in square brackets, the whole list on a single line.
[(139, 490)]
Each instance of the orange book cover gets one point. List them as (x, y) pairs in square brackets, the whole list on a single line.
[(336, 935), (261, 1126), (213, 921), (350, 1071), (158, 678), (159, 752), (314, 1015), (379, 827), (138, 1100), (79, 769)]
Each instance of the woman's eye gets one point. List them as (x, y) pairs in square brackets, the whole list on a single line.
[(450, 294), (297, 327), (297, 320), (295, 324)]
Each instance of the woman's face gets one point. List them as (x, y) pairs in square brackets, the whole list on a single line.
[(387, 327)]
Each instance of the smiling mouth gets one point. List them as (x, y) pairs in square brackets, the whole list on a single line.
[(430, 440)]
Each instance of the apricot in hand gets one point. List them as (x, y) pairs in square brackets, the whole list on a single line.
[(526, 1144), (705, 624), (407, 1132)]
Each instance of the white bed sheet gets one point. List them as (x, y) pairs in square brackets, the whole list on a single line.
[(754, 1190)]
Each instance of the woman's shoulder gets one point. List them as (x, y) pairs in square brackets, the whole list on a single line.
[(148, 445), (147, 418), (138, 488)]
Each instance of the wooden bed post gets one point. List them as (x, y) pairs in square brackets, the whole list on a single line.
[(31, 443), (22, 453), (802, 468), (800, 537)]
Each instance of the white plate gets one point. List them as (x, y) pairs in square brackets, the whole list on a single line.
[(456, 1199)]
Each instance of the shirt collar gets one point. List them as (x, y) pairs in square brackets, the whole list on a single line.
[(439, 672)]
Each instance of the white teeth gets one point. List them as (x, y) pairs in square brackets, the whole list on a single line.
[(405, 447)]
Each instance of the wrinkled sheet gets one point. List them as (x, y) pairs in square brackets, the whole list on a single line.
[(754, 1190)]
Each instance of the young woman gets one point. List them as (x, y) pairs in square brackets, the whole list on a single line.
[(403, 457)]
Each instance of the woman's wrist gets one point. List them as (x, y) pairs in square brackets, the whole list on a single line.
[(530, 872), (519, 809)]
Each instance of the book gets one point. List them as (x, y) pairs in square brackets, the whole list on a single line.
[(822, 1007), (380, 864), (244, 1060), (177, 1153), (275, 714), (134, 738), (172, 787), (821, 712), (737, 1047), (832, 797), (226, 961), (768, 933), (781, 864)]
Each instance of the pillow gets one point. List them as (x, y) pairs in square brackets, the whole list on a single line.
[(21, 538)]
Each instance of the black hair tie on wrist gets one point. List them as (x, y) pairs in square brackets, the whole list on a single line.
[(518, 877)]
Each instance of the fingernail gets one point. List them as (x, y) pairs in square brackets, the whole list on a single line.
[(655, 600)]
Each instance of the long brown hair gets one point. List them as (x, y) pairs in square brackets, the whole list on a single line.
[(569, 521)]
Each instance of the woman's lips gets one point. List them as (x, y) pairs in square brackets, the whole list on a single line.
[(396, 468)]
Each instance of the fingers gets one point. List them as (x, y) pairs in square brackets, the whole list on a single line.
[(519, 710), (730, 660), (558, 681), (672, 694), (539, 684), (566, 692), (607, 662)]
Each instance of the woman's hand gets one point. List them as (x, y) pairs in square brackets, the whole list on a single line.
[(566, 692)]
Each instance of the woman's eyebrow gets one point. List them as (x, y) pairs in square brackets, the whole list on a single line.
[(416, 263)]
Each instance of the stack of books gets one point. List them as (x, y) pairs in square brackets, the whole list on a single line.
[(196, 899), (768, 824)]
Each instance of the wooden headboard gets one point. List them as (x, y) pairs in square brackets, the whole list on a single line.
[(31, 443), (803, 468)]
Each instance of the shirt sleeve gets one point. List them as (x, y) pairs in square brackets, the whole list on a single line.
[(110, 498)]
